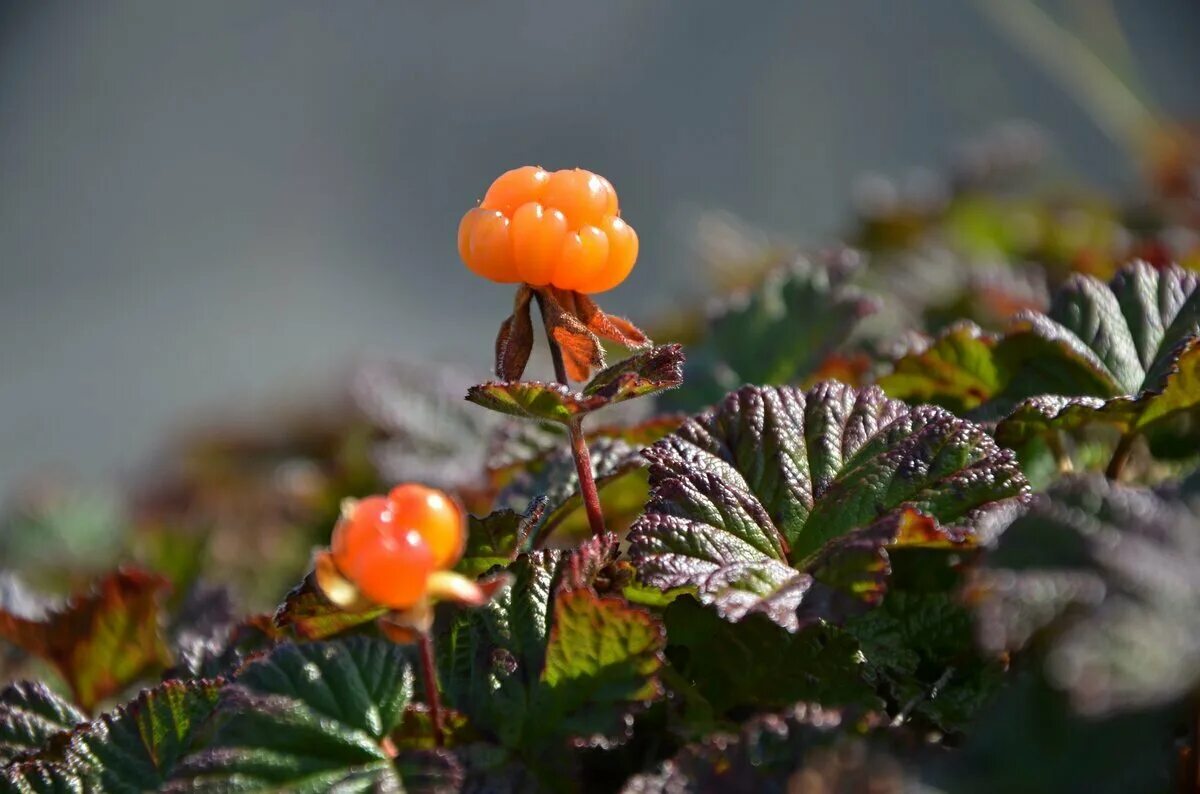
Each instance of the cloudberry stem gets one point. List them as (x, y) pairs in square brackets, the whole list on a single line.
[(579, 448), (1120, 456), (432, 698)]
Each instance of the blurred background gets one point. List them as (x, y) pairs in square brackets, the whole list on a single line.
[(211, 209)]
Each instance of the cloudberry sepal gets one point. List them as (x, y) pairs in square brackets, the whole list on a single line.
[(337, 589), (576, 324)]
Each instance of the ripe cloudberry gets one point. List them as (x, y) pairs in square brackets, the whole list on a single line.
[(388, 548), (561, 229)]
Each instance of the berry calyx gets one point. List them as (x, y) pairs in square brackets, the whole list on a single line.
[(387, 560), (561, 229), (435, 516)]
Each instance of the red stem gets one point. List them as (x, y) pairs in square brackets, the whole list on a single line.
[(432, 698), (579, 448)]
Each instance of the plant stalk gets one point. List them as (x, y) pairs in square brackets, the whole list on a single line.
[(579, 448), (432, 698), (1120, 456)]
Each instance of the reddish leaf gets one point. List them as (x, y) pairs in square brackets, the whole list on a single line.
[(100, 641), (311, 616), (606, 326), (515, 340)]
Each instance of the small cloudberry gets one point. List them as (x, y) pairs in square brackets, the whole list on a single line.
[(390, 547), (435, 516), (561, 229)]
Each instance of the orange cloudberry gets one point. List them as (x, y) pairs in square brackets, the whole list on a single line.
[(562, 229), (388, 548)]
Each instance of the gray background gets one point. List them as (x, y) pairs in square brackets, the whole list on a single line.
[(210, 206)]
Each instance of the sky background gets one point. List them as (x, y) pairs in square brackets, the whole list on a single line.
[(212, 208)]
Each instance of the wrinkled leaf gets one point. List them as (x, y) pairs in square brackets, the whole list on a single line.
[(753, 498), (756, 664), (307, 718), (543, 402), (919, 652), (29, 715), (309, 615), (133, 748), (641, 375), (958, 370), (551, 661), (496, 538), (100, 641)]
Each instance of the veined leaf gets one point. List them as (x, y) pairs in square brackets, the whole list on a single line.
[(640, 375), (101, 641), (496, 539), (550, 661), (1124, 353), (133, 748), (29, 715), (309, 717), (754, 499)]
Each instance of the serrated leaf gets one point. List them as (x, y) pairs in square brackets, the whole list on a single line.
[(603, 656), (307, 718), (640, 375), (1124, 353), (749, 496), (30, 713), (550, 660), (957, 370), (1109, 576), (778, 334), (554, 477), (543, 402), (309, 615), (919, 652), (756, 664), (136, 747), (100, 641), (133, 748), (496, 538)]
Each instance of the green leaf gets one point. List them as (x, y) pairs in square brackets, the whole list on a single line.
[(778, 334), (1107, 577), (958, 370), (136, 747), (756, 664), (545, 402), (29, 715), (603, 656), (496, 538), (919, 652), (1124, 354), (643, 374), (555, 477), (756, 501), (100, 641), (640, 375), (307, 718), (550, 662), (307, 614), (133, 748)]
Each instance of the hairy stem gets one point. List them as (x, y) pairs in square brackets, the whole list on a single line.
[(432, 698), (579, 448), (1120, 456)]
